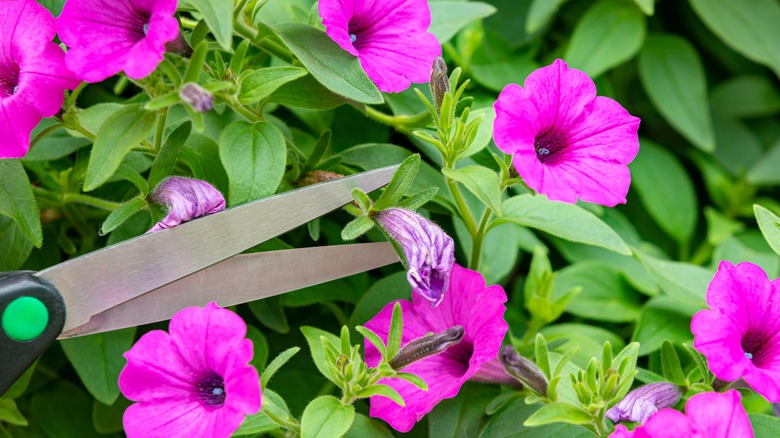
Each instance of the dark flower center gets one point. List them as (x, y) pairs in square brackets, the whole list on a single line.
[(756, 345), (461, 353), (549, 145), (211, 390), (9, 78)]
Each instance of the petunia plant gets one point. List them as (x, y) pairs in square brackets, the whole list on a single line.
[(585, 212)]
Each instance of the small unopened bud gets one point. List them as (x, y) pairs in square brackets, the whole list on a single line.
[(316, 176), (440, 83), (197, 97), (638, 405), (426, 346), (523, 370)]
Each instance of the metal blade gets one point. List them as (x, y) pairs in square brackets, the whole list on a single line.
[(243, 278), (102, 279)]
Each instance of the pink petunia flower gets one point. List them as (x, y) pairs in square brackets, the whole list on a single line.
[(33, 76), (186, 199), (390, 37), (740, 335), (468, 303), (195, 381), (106, 37), (707, 415), (567, 142)]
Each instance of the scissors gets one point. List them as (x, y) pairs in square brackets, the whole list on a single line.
[(151, 277)]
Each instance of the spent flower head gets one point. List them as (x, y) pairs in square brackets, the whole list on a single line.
[(186, 199), (645, 401)]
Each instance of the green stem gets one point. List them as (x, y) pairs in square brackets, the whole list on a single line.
[(75, 95), (404, 124), (90, 200), (530, 335), (463, 208), (478, 238), (162, 116), (287, 424), (265, 44), (43, 134)]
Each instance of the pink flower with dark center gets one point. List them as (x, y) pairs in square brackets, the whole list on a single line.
[(390, 37), (468, 303), (740, 334), (193, 381), (106, 37), (186, 199), (33, 76), (566, 142), (707, 415)]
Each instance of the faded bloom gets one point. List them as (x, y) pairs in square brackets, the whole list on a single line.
[(566, 142), (193, 381), (33, 76), (638, 405), (106, 37), (390, 38), (428, 345), (186, 199), (428, 250), (522, 369), (196, 97), (740, 335), (707, 415), (439, 82), (468, 303)]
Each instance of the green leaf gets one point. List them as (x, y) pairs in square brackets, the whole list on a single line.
[(260, 344), (401, 182), (683, 281), (604, 295), (260, 84), (384, 391), (559, 412), (392, 287), (62, 409), (260, 423), (540, 13), (362, 199), (108, 419), (332, 66), (672, 74), (462, 416), (448, 17), (751, 31), (418, 199), (647, 6), (312, 335), (542, 355), (166, 158), (277, 363), (98, 361), (480, 181), (122, 131), (254, 156), (17, 200), (10, 414), (270, 312), (326, 417), (16, 246), (375, 340), (508, 422), (219, 17), (764, 426), (610, 33), (306, 92), (670, 363), (413, 379), (764, 170), (587, 338), (201, 155), (357, 227), (367, 427), (567, 221), (663, 318), (770, 226), (395, 332), (746, 96), (121, 214), (668, 196)]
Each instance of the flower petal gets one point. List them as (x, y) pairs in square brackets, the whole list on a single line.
[(177, 418), (719, 415), (18, 118), (155, 370)]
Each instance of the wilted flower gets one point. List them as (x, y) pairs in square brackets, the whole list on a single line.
[(33, 76), (567, 142), (468, 303), (522, 369), (638, 405), (425, 346), (739, 335), (196, 97), (195, 380), (186, 199), (106, 37), (428, 250), (707, 415), (389, 37), (439, 82)]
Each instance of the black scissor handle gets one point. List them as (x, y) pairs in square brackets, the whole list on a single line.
[(32, 314)]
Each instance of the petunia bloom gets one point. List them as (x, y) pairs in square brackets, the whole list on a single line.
[(193, 381), (429, 251), (638, 405), (390, 37), (33, 76), (740, 334), (707, 415), (467, 303), (186, 199), (566, 142), (106, 37)]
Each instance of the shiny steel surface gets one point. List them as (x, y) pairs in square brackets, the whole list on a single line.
[(242, 278), (105, 278)]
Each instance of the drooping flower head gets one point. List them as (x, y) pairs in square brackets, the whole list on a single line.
[(33, 76), (106, 37), (566, 142), (186, 199), (707, 415), (740, 334), (468, 303), (390, 37), (429, 251), (638, 405), (193, 381)]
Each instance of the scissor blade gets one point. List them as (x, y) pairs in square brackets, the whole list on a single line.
[(105, 278), (242, 278)]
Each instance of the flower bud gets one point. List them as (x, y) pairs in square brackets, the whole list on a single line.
[(428, 345), (523, 370), (186, 199), (429, 251), (440, 83), (196, 97), (639, 404)]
